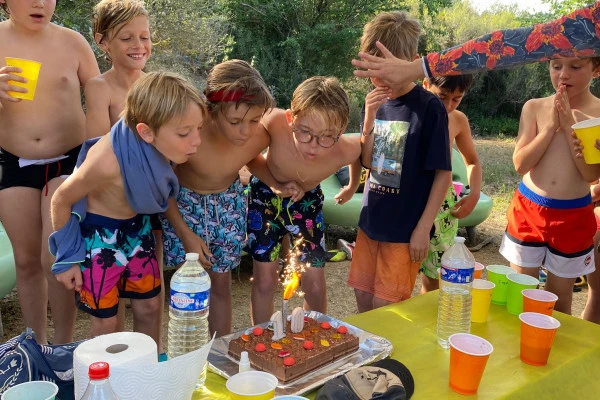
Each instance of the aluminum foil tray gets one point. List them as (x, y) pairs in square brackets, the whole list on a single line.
[(371, 348)]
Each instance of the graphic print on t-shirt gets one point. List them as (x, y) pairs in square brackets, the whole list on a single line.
[(388, 152)]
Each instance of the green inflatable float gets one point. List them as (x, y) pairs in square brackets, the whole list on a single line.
[(8, 277), (347, 214)]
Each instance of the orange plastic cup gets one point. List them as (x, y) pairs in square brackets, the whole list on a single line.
[(539, 301), (468, 357), (537, 336), (29, 70), (479, 267)]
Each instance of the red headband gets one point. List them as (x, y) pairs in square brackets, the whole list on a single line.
[(222, 96)]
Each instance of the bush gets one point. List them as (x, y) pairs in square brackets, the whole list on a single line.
[(497, 126)]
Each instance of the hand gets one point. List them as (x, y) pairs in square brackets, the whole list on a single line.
[(464, 206), (6, 74), (419, 245), (392, 71), (71, 278), (194, 244), (344, 195), (563, 108), (289, 189), (597, 144), (578, 147), (375, 99)]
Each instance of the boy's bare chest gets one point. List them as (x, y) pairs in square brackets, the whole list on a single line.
[(219, 161)]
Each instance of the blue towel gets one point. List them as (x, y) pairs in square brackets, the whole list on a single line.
[(149, 181)]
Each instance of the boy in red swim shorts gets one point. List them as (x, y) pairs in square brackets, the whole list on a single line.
[(551, 217)]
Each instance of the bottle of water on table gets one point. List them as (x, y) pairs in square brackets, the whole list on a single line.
[(188, 310), (456, 281)]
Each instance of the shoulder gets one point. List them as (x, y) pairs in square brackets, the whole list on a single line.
[(458, 119), (428, 101), (72, 38), (98, 84), (349, 147), (533, 105), (274, 120)]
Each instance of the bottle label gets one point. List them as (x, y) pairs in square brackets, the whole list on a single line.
[(457, 275), (189, 301)]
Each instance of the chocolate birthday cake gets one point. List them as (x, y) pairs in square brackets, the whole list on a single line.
[(295, 354)]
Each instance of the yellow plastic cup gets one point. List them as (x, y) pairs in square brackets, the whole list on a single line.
[(252, 385), (588, 131), (29, 70), (481, 296)]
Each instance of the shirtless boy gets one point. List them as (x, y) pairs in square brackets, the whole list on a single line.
[(551, 217), (39, 142), (306, 146)]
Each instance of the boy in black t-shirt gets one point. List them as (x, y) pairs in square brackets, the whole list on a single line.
[(406, 146)]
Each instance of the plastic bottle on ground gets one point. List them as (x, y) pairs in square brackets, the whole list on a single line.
[(456, 281), (188, 310), (99, 387)]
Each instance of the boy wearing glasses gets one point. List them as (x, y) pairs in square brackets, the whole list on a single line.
[(405, 144), (306, 147)]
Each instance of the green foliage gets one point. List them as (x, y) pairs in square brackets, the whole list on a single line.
[(289, 41)]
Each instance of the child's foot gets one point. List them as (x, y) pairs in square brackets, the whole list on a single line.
[(346, 247), (335, 255)]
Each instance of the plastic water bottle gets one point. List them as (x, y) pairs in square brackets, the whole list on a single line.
[(99, 388), (454, 309), (188, 310)]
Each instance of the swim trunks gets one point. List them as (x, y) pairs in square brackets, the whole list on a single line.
[(34, 175), (120, 262), (446, 228), (555, 233), (218, 218), (271, 217)]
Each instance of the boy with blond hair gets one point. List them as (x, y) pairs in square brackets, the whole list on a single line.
[(405, 145), (551, 217), (39, 143), (451, 90), (306, 146), (208, 216), (106, 249)]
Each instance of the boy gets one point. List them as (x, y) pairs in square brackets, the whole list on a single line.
[(209, 215), (127, 173), (306, 146), (450, 90), (551, 217), (405, 145), (39, 142)]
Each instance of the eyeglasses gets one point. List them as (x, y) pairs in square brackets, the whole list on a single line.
[(304, 136)]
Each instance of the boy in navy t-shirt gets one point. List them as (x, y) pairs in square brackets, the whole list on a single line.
[(405, 145)]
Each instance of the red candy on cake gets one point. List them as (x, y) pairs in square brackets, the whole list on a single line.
[(308, 345), (342, 329), (257, 331), (325, 325), (260, 347), (289, 361)]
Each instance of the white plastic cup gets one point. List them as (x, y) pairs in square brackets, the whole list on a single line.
[(34, 390)]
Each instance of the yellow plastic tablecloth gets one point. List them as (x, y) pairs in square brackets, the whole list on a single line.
[(572, 372)]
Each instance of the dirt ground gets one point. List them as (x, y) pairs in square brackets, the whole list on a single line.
[(341, 297)]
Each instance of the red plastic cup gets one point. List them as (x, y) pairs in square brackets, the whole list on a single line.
[(539, 301), (468, 357), (537, 336), (479, 267)]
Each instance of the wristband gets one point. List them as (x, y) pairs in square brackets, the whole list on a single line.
[(370, 132)]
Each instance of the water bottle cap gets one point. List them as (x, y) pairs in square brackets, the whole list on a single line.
[(99, 370), (244, 357), (459, 239), (192, 257)]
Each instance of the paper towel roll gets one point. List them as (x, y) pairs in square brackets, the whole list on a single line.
[(119, 350)]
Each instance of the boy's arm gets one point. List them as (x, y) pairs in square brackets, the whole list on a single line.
[(375, 99), (595, 192), (259, 168), (419, 239), (531, 146), (97, 117), (466, 147), (88, 67), (346, 193), (589, 172), (191, 242)]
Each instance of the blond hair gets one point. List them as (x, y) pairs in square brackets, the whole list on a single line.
[(237, 79), (325, 95), (111, 15), (396, 30), (158, 97)]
